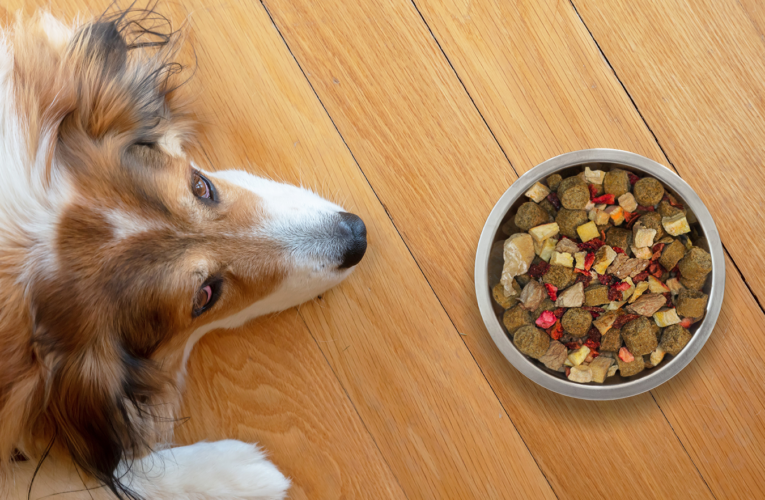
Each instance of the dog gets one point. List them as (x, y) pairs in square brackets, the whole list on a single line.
[(117, 253)]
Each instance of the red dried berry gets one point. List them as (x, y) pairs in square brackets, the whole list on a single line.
[(617, 249), (593, 192), (622, 286), (614, 295), (623, 320), (669, 302), (633, 178), (539, 270), (608, 199), (554, 200), (687, 322), (625, 355), (594, 315), (588, 261), (573, 346), (592, 245), (643, 208), (585, 279), (593, 354), (672, 202), (556, 332), (559, 312), (631, 220), (594, 334), (568, 371), (592, 345), (658, 247), (604, 279), (656, 270), (640, 277), (546, 320), (552, 291)]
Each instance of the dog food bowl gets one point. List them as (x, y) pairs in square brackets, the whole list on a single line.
[(488, 268)]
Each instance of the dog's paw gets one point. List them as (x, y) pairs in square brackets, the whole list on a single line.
[(228, 469)]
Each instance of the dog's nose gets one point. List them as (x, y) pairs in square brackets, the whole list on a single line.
[(354, 232)]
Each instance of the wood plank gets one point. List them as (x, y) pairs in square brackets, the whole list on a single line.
[(703, 99), (403, 365), (269, 383), (713, 75), (409, 123)]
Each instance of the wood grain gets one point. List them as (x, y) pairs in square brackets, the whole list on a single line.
[(422, 145), (399, 358), (695, 70)]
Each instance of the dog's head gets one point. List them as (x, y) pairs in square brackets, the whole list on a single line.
[(146, 252)]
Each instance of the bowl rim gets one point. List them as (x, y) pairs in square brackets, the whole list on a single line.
[(526, 366)]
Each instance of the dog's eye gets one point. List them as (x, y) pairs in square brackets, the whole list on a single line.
[(206, 297), (201, 187)]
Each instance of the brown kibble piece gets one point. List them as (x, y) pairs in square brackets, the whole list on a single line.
[(673, 340), (648, 191), (616, 182), (691, 303), (531, 341), (569, 220), (631, 368), (498, 292), (619, 237), (638, 337), (696, 264), (553, 181), (531, 215), (611, 340), (573, 193), (576, 321), (516, 317), (667, 210), (696, 284), (672, 254), (559, 276), (650, 220), (596, 295)]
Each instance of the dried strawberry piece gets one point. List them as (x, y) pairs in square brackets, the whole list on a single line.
[(676, 271), (614, 295), (573, 346), (585, 279), (568, 371), (592, 355), (605, 279), (593, 192), (592, 245), (633, 178), (643, 208), (546, 320), (640, 277), (687, 322), (588, 261), (622, 286), (630, 217), (594, 334), (554, 200), (608, 199), (594, 315), (594, 309), (658, 247), (539, 270), (559, 312), (580, 271), (623, 320), (603, 235), (672, 202), (556, 332), (552, 291), (617, 249), (656, 270), (625, 355)]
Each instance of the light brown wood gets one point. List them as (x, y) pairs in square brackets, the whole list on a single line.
[(419, 141), (695, 70), (410, 377)]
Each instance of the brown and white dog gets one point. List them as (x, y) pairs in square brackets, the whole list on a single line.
[(117, 254)]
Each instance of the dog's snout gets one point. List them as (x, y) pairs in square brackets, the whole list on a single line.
[(354, 233)]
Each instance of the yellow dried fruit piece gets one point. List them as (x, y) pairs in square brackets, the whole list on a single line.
[(594, 176), (545, 231), (603, 258), (657, 356), (538, 192), (562, 259), (577, 357), (676, 225), (588, 231), (599, 367), (640, 288), (644, 237), (545, 248), (580, 258), (642, 253), (666, 318), (616, 214), (656, 286)]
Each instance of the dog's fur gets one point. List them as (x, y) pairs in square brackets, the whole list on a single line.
[(108, 246)]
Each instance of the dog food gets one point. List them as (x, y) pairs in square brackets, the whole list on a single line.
[(615, 280)]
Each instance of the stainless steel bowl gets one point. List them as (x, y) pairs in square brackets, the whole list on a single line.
[(488, 266)]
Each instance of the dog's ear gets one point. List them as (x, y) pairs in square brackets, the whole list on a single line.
[(123, 76)]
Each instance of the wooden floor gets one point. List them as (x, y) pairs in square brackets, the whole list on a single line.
[(417, 115)]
